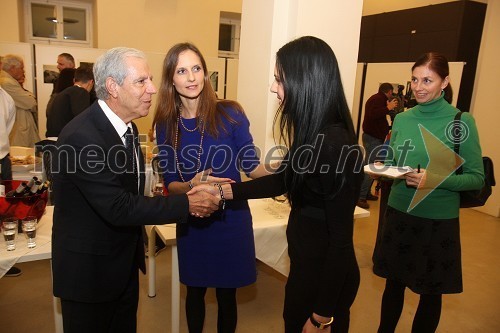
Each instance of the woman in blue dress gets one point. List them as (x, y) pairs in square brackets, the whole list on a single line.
[(203, 139)]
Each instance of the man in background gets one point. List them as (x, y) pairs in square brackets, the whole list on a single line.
[(375, 129), (64, 60), (7, 118), (25, 131), (70, 102)]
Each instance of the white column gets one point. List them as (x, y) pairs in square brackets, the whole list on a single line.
[(269, 24)]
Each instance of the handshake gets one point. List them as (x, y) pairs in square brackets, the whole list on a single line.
[(207, 193)]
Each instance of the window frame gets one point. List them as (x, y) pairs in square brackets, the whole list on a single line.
[(59, 40), (235, 37)]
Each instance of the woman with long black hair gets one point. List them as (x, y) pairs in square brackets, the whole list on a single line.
[(321, 175)]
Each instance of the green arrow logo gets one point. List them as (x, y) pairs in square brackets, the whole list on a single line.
[(443, 162)]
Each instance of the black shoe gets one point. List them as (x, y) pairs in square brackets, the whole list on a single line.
[(363, 204), (371, 197), (13, 272)]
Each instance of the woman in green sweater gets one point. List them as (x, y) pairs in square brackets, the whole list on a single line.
[(420, 241)]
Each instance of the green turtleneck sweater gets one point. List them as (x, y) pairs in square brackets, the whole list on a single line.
[(424, 131)]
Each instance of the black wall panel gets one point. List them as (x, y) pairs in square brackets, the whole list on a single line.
[(453, 28)]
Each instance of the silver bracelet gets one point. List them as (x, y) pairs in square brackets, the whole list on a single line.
[(222, 201)]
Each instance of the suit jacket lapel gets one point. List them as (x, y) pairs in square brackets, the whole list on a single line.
[(116, 148), (142, 175)]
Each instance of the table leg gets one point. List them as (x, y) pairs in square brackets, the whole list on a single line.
[(57, 314), (176, 294), (152, 263), (56, 305)]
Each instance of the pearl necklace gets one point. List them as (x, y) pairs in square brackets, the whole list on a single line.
[(182, 123), (198, 164)]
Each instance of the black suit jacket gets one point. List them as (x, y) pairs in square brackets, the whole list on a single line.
[(66, 105), (96, 236)]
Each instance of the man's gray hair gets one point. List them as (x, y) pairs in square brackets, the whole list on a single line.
[(112, 64), (11, 60)]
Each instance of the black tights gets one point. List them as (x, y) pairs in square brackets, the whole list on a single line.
[(227, 313), (428, 313)]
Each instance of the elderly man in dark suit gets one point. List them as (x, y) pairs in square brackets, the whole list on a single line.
[(97, 245)]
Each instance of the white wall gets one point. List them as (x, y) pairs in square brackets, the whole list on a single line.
[(268, 25), (155, 25), (484, 106)]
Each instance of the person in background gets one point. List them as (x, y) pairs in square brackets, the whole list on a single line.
[(71, 101), (98, 170), (64, 60), (218, 252), (399, 96), (7, 118), (419, 246), (65, 80), (61, 79), (322, 183), (25, 131), (375, 129)]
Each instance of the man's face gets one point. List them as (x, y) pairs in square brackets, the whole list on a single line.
[(389, 94), (135, 94), (63, 63), (17, 73)]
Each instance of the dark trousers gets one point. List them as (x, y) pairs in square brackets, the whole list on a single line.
[(385, 190), (227, 315), (373, 147), (118, 316), (301, 290), (5, 168)]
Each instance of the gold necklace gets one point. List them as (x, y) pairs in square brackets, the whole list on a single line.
[(198, 164)]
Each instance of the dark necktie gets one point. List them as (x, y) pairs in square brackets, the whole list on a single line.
[(130, 144)]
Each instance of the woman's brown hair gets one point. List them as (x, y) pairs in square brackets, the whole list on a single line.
[(168, 101)]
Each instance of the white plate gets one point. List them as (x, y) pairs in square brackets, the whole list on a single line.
[(25, 167)]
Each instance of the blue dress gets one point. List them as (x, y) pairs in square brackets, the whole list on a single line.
[(219, 251)]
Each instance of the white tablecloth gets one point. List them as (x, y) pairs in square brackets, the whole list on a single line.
[(22, 253)]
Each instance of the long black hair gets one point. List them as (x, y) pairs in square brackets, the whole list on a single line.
[(313, 99)]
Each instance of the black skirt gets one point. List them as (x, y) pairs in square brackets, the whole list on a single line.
[(423, 254)]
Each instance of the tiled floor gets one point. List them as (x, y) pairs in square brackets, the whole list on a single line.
[(26, 303)]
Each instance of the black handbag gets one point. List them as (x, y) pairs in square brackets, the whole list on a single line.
[(474, 198)]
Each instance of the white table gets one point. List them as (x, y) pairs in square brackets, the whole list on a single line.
[(42, 251), (271, 247), (26, 175)]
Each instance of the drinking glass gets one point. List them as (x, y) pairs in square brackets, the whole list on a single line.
[(9, 230), (29, 229)]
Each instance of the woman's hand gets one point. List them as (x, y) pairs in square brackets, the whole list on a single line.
[(416, 179), (310, 328), (214, 190), (204, 177), (205, 188)]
